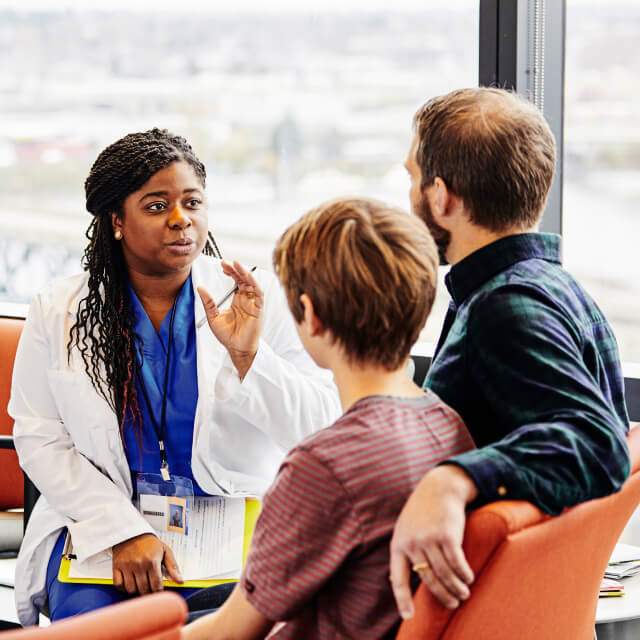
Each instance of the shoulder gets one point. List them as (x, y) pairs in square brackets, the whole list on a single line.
[(61, 296), (518, 299), (348, 427), (520, 316)]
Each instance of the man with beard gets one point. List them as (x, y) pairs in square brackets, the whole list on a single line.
[(525, 355)]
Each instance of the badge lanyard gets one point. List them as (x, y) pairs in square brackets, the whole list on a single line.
[(164, 465)]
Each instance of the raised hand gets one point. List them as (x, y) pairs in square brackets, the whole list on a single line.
[(137, 564), (238, 328)]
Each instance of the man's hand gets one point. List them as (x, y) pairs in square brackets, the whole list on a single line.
[(238, 328), (137, 564), (430, 530)]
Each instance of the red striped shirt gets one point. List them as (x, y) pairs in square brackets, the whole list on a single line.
[(319, 558)]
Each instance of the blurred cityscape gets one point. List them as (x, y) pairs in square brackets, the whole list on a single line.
[(286, 110)]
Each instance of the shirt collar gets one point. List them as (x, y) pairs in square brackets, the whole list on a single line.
[(481, 265)]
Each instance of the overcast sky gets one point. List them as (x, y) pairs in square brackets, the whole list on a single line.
[(235, 6), (219, 6)]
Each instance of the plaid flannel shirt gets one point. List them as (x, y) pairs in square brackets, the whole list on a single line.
[(528, 360)]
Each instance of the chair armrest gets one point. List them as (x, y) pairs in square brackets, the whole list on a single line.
[(6, 442), (31, 493)]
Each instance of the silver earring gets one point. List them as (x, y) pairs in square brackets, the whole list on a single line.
[(118, 235)]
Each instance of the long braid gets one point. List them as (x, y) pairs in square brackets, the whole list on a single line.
[(104, 329)]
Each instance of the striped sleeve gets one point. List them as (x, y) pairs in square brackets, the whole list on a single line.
[(304, 532)]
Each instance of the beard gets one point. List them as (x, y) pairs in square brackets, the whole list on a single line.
[(441, 236)]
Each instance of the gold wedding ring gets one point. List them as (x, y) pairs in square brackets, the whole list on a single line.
[(421, 566)]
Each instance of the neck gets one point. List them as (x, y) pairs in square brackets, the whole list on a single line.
[(157, 293), (470, 237), (356, 381)]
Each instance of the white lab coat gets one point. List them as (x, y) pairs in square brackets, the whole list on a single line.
[(68, 438)]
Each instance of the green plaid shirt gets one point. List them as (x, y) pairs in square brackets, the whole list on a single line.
[(528, 360)]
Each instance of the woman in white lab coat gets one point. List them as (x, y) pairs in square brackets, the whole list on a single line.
[(134, 352)]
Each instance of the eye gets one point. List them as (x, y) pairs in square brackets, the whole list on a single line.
[(156, 206), (194, 203)]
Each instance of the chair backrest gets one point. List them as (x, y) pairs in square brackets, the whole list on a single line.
[(536, 576), (11, 484), (158, 616)]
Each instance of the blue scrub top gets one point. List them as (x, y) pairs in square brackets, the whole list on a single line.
[(182, 388)]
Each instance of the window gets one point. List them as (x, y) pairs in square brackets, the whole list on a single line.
[(287, 107), (602, 161)]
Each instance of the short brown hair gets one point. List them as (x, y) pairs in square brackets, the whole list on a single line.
[(493, 149), (370, 271)]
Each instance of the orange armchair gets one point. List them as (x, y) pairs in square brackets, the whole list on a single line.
[(536, 577), (11, 478), (12, 485), (159, 616)]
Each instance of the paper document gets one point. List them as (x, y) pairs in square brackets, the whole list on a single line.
[(212, 550), (624, 553)]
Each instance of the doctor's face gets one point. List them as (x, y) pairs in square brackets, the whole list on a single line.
[(164, 223)]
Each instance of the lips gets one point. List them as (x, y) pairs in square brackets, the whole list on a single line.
[(181, 242)]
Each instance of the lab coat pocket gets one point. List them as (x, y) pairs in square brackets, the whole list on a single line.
[(82, 411)]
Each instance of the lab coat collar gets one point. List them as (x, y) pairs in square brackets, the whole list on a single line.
[(204, 271)]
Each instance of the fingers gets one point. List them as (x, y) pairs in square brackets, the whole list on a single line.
[(142, 582), (155, 576), (245, 280), (170, 564), (137, 564), (208, 303), (455, 558), (399, 574), (440, 579), (129, 582), (118, 580)]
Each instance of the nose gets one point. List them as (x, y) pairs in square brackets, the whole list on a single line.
[(178, 219)]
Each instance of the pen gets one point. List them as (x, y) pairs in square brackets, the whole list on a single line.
[(231, 291), (224, 298)]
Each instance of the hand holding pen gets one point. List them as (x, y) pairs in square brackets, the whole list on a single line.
[(239, 327)]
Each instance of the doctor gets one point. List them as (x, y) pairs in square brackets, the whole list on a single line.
[(130, 367)]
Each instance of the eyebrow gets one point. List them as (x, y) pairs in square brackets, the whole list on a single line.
[(155, 194)]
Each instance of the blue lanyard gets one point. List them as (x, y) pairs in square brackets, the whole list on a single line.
[(164, 465)]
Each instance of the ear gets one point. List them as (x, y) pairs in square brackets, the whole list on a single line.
[(440, 196), (444, 203), (116, 222), (310, 319)]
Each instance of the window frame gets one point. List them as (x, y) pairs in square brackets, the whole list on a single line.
[(518, 40)]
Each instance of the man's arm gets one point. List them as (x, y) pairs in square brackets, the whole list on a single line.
[(430, 528), (564, 441), (567, 444), (237, 619)]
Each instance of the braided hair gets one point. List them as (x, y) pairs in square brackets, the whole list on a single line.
[(104, 328)]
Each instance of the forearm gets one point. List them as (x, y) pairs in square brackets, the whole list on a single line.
[(237, 619), (76, 488), (286, 399), (554, 466)]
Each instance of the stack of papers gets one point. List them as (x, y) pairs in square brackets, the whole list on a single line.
[(624, 562), (219, 534), (611, 588)]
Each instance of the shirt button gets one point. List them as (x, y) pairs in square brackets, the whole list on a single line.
[(502, 491)]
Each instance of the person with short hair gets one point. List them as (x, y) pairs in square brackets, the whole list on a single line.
[(525, 356), (360, 280), (131, 368)]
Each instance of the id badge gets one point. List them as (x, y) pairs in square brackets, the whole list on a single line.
[(165, 505)]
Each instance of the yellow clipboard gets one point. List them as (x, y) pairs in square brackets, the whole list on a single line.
[(252, 511)]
